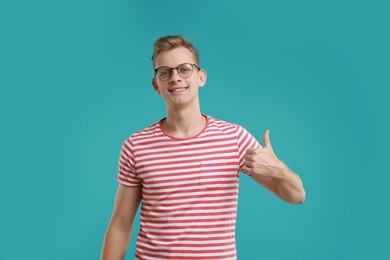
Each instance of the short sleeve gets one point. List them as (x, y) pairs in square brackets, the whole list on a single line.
[(127, 174), (244, 141)]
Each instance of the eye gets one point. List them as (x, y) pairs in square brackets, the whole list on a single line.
[(163, 72), (185, 68)]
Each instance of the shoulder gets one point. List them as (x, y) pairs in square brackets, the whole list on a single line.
[(221, 124), (239, 132), (149, 132)]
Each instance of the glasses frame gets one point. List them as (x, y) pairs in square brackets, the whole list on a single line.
[(176, 68)]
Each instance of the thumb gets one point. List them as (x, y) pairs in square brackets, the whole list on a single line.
[(267, 141)]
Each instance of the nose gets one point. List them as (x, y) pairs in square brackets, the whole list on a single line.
[(174, 75)]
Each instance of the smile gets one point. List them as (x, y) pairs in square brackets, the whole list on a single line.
[(178, 89)]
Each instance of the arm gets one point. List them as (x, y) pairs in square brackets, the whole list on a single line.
[(119, 229), (267, 170), (287, 185)]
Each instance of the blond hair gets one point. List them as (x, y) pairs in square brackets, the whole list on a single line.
[(170, 42)]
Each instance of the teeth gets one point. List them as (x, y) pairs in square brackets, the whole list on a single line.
[(177, 89)]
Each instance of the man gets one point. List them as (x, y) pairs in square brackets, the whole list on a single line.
[(185, 169)]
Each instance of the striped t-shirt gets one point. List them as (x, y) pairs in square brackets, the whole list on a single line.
[(189, 189)]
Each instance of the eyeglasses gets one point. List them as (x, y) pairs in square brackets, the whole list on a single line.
[(185, 70)]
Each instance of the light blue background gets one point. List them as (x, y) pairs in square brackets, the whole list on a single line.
[(75, 83)]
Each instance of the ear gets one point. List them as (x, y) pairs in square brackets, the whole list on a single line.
[(154, 84), (202, 77)]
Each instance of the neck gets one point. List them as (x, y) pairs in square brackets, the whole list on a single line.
[(184, 123)]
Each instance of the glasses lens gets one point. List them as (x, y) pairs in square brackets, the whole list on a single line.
[(185, 70), (163, 73)]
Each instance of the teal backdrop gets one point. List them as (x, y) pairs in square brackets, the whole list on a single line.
[(75, 82)]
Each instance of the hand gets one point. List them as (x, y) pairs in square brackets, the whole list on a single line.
[(263, 161)]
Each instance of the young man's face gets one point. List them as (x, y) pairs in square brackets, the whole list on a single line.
[(178, 91)]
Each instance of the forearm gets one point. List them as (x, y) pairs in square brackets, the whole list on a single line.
[(116, 242), (119, 229), (289, 186)]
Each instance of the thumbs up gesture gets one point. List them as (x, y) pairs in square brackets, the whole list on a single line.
[(262, 161)]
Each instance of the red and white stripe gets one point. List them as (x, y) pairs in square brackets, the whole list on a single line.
[(189, 189)]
